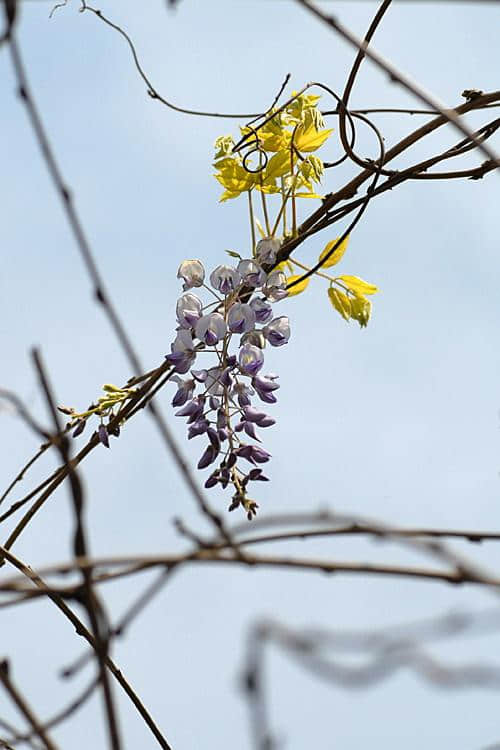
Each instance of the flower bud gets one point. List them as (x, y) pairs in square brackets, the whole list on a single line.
[(275, 286), (208, 457), (212, 479), (80, 426), (103, 435), (192, 272), (256, 338), (267, 250), (251, 273)]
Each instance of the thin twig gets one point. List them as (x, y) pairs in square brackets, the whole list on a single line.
[(23, 706), (91, 602), (85, 633)]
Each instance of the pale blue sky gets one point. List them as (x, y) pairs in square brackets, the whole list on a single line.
[(399, 421)]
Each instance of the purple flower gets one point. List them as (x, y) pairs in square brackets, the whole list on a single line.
[(262, 309), (251, 273), (256, 475), (226, 378), (193, 409), (208, 457), (225, 279), (225, 477), (253, 415), (184, 391), (80, 426), (211, 329), (188, 310), (277, 332), (275, 286), (260, 455), (265, 385), (245, 451), (249, 428), (103, 435), (200, 375), (183, 354), (256, 338), (214, 402), (214, 438), (253, 453), (267, 250), (241, 318), (251, 359), (192, 272), (199, 427), (212, 479), (267, 422), (242, 392), (231, 461)]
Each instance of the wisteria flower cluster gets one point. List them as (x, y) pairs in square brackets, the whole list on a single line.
[(216, 400)]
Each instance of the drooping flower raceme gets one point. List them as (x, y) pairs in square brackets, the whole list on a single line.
[(216, 400)]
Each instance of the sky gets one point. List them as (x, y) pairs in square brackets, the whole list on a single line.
[(399, 421)]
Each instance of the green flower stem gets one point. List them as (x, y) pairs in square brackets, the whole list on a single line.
[(264, 208), (331, 279), (294, 207), (282, 212), (283, 206), (252, 221)]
